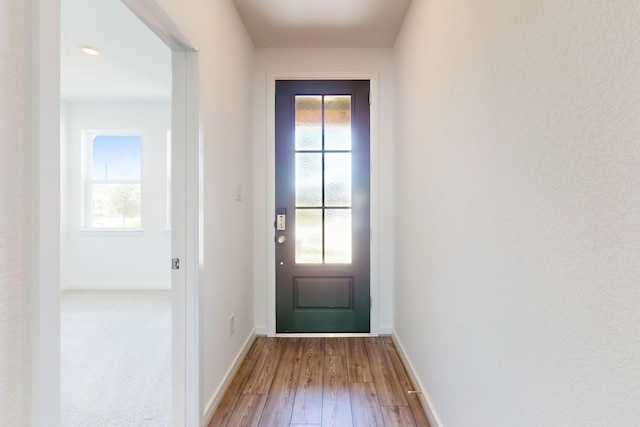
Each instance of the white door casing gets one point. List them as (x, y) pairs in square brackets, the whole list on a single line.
[(270, 185)]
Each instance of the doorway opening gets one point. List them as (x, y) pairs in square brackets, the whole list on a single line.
[(115, 300), (184, 237)]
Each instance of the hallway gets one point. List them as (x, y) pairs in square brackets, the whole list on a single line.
[(321, 381), (505, 212)]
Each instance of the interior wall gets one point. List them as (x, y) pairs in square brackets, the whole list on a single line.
[(15, 212), (111, 259), (225, 88), (518, 210), (66, 209), (377, 62)]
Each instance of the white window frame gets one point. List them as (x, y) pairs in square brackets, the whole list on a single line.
[(87, 162)]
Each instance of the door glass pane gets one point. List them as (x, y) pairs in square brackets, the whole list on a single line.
[(308, 236), (337, 179), (308, 180), (337, 236), (308, 122), (337, 122)]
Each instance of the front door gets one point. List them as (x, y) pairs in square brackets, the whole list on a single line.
[(322, 206)]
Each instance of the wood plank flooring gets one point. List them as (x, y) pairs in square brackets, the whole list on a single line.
[(341, 382)]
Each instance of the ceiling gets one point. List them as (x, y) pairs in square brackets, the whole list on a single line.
[(323, 23), (135, 65)]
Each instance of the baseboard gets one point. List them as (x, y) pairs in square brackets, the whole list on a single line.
[(115, 286), (385, 331), (427, 405), (381, 331), (215, 399)]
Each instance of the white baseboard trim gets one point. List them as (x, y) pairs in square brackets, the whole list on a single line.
[(381, 331), (385, 331), (215, 399), (427, 405), (324, 335), (115, 286)]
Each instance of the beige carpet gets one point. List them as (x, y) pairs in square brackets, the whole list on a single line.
[(115, 358)]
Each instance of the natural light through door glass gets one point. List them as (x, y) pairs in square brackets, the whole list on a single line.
[(337, 122), (308, 236), (308, 123), (323, 179), (337, 180), (308, 179), (337, 239)]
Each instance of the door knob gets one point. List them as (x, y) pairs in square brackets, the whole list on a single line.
[(281, 239)]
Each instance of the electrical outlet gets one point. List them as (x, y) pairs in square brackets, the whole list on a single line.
[(232, 326)]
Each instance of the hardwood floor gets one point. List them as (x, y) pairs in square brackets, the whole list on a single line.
[(341, 382)]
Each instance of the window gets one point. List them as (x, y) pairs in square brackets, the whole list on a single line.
[(112, 181)]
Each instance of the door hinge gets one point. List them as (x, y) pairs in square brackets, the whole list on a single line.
[(175, 264), (369, 98), (370, 303)]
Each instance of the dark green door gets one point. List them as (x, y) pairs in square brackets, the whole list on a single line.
[(322, 217)]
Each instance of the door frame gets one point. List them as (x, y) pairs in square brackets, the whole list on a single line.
[(271, 186), (185, 202), (45, 239)]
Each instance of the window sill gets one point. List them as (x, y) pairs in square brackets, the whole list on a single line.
[(110, 232)]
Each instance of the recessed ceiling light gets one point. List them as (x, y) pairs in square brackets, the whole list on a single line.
[(90, 51)]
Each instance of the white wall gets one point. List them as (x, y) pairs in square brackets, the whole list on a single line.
[(518, 210), (15, 213), (105, 259), (225, 87), (67, 210), (324, 63)]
